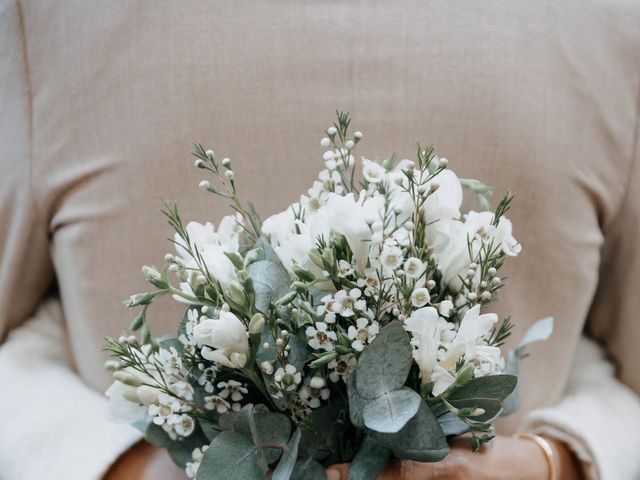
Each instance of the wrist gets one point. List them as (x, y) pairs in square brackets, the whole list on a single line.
[(568, 466)]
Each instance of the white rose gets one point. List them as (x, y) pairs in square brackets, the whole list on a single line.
[(228, 336)]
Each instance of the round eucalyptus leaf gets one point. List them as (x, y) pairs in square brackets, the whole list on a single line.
[(385, 364), (391, 411)]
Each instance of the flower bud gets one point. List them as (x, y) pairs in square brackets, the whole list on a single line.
[(204, 185), (154, 277), (143, 298), (256, 324), (349, 144), (147, 394), (325, 142), (209, 154), (226, 162), (358, 135), (303, 274), (236, 292), (127, 378), (332, 131)]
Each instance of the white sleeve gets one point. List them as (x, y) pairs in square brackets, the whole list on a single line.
[(598, 418), (52, 425)]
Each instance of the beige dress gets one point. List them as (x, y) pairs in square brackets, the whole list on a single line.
[(99, 104)]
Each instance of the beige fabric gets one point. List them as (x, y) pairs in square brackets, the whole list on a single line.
[(99, 103)]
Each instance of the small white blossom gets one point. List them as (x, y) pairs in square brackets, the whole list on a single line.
[(362, 333), (345, 269), (391, 257), (184, 425), (191, 468), (350, 302), (372, 171), (320, 338), (341, 367), (420, 297), (286, 380), (313, 392), (217, 403), (233, 390), (170, 360), (167, 406), (266, 367), (414, 268), (207, 378)]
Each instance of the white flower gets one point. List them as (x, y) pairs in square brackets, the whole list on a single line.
[(473, 328), (445, 202), (414, 268), (170, 360), (207, 378), (345, 269), (347, 303), (165, 409), (329, 308), (341, 367), (286, 379), (445, 307), (362, 333), (320, 338), (423, 324), (211, 246), (266, 367), (233, 390), (217, 403), (313, 392), (391, 257), (184, 425), (347, 215), (442, 380), (191, 468), (420, 297), (372, 171), (228, 336)]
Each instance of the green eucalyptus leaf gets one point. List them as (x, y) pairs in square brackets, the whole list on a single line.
[(452, 425), (308, 469), (270, 281), (385, 364), (497, 387), (231, 456), (209, 428), (356, 402), (288, 459), (268, 252), (370, 460), (391, 411), (421, 439), (320, 433), (491, 407)]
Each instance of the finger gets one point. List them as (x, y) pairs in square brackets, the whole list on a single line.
[(338, 472)]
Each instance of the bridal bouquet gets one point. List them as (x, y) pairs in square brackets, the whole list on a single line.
[(351, 327)]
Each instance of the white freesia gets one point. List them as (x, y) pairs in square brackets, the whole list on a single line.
[(423, 324), (373, 172), (122, 404), (211, 246), (228, 336), (473, 328), (348, 216)]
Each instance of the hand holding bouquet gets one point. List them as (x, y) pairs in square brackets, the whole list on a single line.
[(350, 327)]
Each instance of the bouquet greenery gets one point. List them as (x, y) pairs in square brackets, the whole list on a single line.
[(349, 328)]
